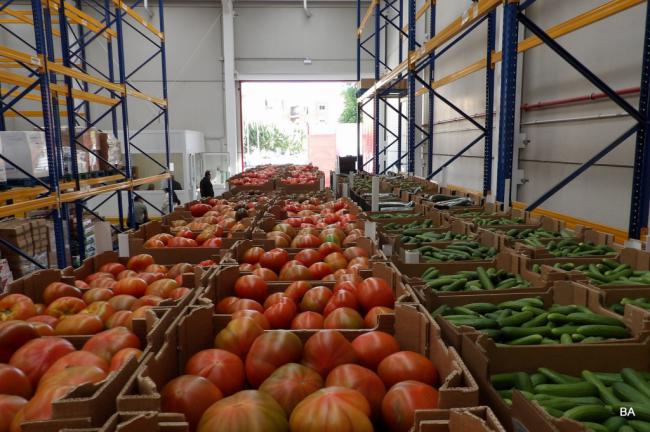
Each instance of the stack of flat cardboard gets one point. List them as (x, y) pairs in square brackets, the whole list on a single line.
[(32, 237)]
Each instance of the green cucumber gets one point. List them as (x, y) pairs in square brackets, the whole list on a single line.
[(636, 380), (566, 339), (593, 318), (627, 393), (589, 413), (604, 331), (535, 339), (606, 394), (503, 381), (613, 424), (523, 382), (577, 389), (538, 378), (482, 308), (594, 427), (519, 332), (639, 426), (516, 319), (557, 377)]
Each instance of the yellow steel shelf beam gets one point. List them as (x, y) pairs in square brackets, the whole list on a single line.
[(153, 99), (366, 17), (420, 12), (471, 15), (578, 22), (25, 19), (35, 114), (30, 192), (79, 17), (77, 195), (152, 179), (139, 18), (22, 207)]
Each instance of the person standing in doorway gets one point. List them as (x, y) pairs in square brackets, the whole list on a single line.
[(140, 211), (206, 186)]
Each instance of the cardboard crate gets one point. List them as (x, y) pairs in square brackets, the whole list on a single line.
[(478, 419), (183, 217), (91, 405), (399, 258), (171, 255), (456, 226), (484, 359), (235, 254), (504, 261), (586, 236), (637, 259), (411, 214), (562, 292), (268, 223), (545, 222), (222, 282), (134, 422), (193, 280), (265, 187), (195, 330)]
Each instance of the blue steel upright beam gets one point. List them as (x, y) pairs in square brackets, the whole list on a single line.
[(411, 91), (508, 99), (125, 113), (431, 101), (82, 58), (399, 101), (640, 202), (489, 104), (72, 133), (163, 61), (375, 123), (46, 101), (111, 76), (359, 119)]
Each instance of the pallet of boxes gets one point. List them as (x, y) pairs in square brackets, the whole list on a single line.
[(32, 237)]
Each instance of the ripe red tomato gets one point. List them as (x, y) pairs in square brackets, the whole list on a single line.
[(274, 259), (223, 368), (273, 299), (65, 306), (183, 242), (354, 252), (199, 210), (308, 257), (225, 305), (133, 286), (363, 380), (81, 285), (281, 313), (407, 365), (295, 273), (99, 275), (79, 324), (97, 294), (57, 290), (296, 290), (179, 293), (256, 316), (307, 320), (373, 347), (249, 410), (216, 242), (403, 399), (13, 335), (359, 263), (345, 285), (161, 288), (102, 283), (305, 241), (113, 268), (126, 274), (190, 395), (270, 351), (290, 384), (251, 287), (77, 358), (253, 255), (122, 357), (36, 356), (139, 262), (122, 302), (340, 299), (326, 350), (238, 336), (156, 268), (154, 244), (266, 274), (16, 307), (333, 409), (119, 319), (371, 319), (10, 406), (109, 342), (242, 304), (343, 318), (146, 300), (13, 381), (179, 269), (336, 261), (328, 248), (316, 299), (373, 292), (320, 269)]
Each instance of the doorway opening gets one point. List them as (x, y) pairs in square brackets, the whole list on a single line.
[(298, 122)]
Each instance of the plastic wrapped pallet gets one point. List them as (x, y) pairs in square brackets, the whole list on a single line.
[(84, 159), (109, 149), (28, 151)]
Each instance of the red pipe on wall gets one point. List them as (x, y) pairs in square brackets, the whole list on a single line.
[(577, 99)]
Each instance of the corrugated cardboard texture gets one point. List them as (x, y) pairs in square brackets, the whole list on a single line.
[(478, 419), (504, 261)]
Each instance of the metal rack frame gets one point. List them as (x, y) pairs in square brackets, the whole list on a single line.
[(422, 58), (85, 86)]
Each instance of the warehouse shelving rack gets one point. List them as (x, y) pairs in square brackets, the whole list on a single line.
[(514, 14), (84, 88)]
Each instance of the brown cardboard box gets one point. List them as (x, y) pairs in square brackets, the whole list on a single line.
[(504, 261), (196, 329), (485, 359), (91, 405), (222, 282), (170, 255), (562, 292), (478, 419), (138, 422)]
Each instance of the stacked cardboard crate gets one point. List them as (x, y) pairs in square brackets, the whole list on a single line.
[(32, 237)]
